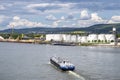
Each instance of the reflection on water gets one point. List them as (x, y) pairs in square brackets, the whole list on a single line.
[(30, 62)]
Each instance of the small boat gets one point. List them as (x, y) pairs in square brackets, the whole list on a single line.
[(63, 44), (62, 64)]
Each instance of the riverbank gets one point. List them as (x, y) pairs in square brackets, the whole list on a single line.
[(51, 43)]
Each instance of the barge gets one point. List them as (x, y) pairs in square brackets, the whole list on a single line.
[(63, 44), (62, 64)]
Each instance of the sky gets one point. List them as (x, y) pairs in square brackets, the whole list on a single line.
[(57, 13)]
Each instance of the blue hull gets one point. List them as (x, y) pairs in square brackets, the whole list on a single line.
[(68, 68)]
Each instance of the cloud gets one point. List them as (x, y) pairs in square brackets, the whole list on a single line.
[(21, 23), (61, 13), (70, 16), (114, 19), (63, 18), (51, 17), (2, 7), (64, 21), (53, 6), (67, 17), (87, 20), (49, 7), (56, 23), (16, 18), (95, 17), (84, 15), (44, 5)]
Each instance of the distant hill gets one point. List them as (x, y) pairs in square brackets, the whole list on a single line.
[(41, 30), (102, 28), (99, 28)]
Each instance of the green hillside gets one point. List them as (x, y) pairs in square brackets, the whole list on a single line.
[(102, 28), (99, 28)]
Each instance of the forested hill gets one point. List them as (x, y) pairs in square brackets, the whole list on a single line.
[(99, 28), (102, 28)]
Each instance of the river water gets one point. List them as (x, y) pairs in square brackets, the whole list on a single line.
[(19, 61)]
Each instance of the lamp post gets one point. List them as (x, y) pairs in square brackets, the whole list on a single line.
[(12, 30), (115, 35)]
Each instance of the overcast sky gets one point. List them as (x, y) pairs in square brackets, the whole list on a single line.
[(57, 13)]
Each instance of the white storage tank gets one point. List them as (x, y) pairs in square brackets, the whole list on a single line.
[(73, 38), (78, 38), (64, 37), (92, 37), (83, 39), (58, 37), (67, 38), (49, 37), (54, 37), (110, 37), (101, 37)]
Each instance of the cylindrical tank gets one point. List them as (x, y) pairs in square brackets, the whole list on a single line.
[(92, 37), (83, 39), (58, 37), (64, 37), (73, 38), (110, 37), (68, 38), (49, 37), (101, 37), (78, 38)]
